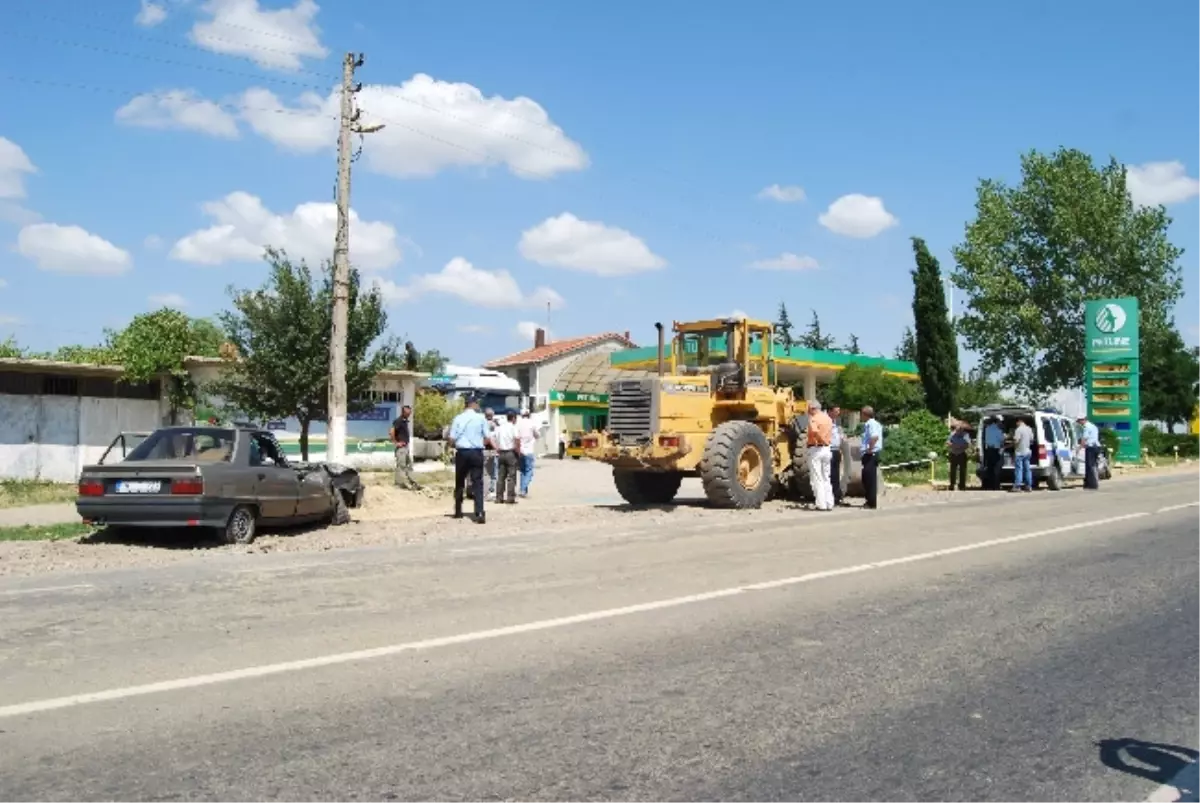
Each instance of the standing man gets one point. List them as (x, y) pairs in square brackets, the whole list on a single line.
[(820, 431), (872, 445), (401, 435), (469, 434), (993, 442), (1089, 439), (958, 444), (527, 431), (1022, 457), (489, 454), (508, 450), (835, 455)]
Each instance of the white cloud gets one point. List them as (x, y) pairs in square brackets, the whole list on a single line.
[(278, 39), (475, 286), (786, 261), (12, 212), (527, 330), (584, 245), (788, 194), (150, 14), (173, 300), (244, 227), (1155, 183), (474, 329), (180, 109), (860, 216), (71, 249), (14, 164), (430, 125)]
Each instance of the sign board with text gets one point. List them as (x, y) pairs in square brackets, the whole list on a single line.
[(1113, 371)]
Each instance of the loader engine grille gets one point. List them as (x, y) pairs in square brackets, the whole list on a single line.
[(630, 412)]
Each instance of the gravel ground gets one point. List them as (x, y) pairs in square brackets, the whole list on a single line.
[(565, 496)]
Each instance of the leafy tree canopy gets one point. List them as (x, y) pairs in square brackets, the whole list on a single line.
[(155, 344), (814, 338), (907, 350), (783, 328), (1036, 252), (281, 337), (857, 386), (1169, 372), (937, 349)]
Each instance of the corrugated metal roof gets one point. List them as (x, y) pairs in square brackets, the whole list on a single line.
[(592, 373)]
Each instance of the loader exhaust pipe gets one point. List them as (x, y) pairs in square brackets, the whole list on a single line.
[(661, 349)]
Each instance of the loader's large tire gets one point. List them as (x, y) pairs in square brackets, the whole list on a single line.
[(736, 469), (647, 487)]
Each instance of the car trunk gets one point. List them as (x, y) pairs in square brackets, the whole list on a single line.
[(141, 478)]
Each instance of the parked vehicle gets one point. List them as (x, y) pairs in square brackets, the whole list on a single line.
[(1057, 457), (231, 479)]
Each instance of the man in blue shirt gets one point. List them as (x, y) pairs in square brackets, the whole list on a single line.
[(872, 445), (835, 455), (1089, 439), (468, 433), (993, 442), (958, 444)]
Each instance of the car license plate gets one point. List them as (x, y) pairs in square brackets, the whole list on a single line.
[(139, 486)]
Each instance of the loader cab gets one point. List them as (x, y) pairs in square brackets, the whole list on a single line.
[(736, 353)]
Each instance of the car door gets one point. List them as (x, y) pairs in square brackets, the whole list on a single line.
[(276, 486), (1078, 463)]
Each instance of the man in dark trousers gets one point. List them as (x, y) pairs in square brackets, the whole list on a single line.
[(468, 433), (993, 442), (835, 455), (401, 434), (1089, 439), (872, 445)]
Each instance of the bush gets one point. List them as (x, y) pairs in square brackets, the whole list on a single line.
[(929, 430), (1110, 441), (1162, 444), (901, 445), (433, 412)]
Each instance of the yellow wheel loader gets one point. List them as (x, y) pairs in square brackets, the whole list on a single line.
[(711, 411)]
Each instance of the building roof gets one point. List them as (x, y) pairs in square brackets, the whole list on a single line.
[(557, 348), (387, 373), (592, 373), (59, 367)]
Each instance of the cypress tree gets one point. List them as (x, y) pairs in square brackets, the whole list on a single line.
[(937, 349)]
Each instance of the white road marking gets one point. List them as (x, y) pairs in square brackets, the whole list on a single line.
[(45, 589), (53, 703), (1183, 787), (1169, 508)]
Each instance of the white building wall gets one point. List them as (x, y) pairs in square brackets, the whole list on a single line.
[(53, 437)]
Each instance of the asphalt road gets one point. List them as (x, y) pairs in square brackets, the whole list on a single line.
[(1039, 647)]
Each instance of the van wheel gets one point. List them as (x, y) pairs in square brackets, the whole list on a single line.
[(1054, 479), (242, 525)]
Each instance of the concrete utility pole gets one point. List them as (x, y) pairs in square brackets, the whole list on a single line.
[(335, 434)]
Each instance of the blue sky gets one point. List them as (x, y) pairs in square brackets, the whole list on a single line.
[(607, 158)]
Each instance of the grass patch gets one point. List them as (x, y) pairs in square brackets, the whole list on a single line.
[(44, 532), (19, 493)]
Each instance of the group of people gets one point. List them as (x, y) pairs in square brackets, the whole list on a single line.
[(824, 452), (959, 445)]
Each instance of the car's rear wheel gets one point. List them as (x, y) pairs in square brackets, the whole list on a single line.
[(242, 525)]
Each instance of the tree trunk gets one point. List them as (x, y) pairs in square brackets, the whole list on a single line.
[(304, 439)]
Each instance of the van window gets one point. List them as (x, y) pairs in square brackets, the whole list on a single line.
[(1060, 434), (1047, 433)]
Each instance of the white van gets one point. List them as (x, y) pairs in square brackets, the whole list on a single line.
[(1057, 457)]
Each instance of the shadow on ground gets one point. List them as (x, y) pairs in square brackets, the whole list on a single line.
[(181, 537), (1160, 763)]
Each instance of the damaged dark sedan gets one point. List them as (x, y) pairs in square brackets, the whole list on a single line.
[(229, 479)]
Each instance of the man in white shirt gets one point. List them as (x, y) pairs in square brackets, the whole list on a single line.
[(507, 444), (527, 430)]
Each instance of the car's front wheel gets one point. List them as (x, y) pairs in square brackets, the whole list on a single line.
[(242, 525)]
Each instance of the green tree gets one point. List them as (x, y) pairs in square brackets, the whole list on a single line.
[(977, 389), (1036, 252), (907, 350), (852, 346), (857, 386), (154, 345), (281, 335), (432, 412), (814, 338), (432, 361), (92, 355), (937, 350), (1169, 371), (10, 349), (783, 328)]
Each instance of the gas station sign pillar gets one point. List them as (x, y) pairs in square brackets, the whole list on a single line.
[(1112, 368)]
